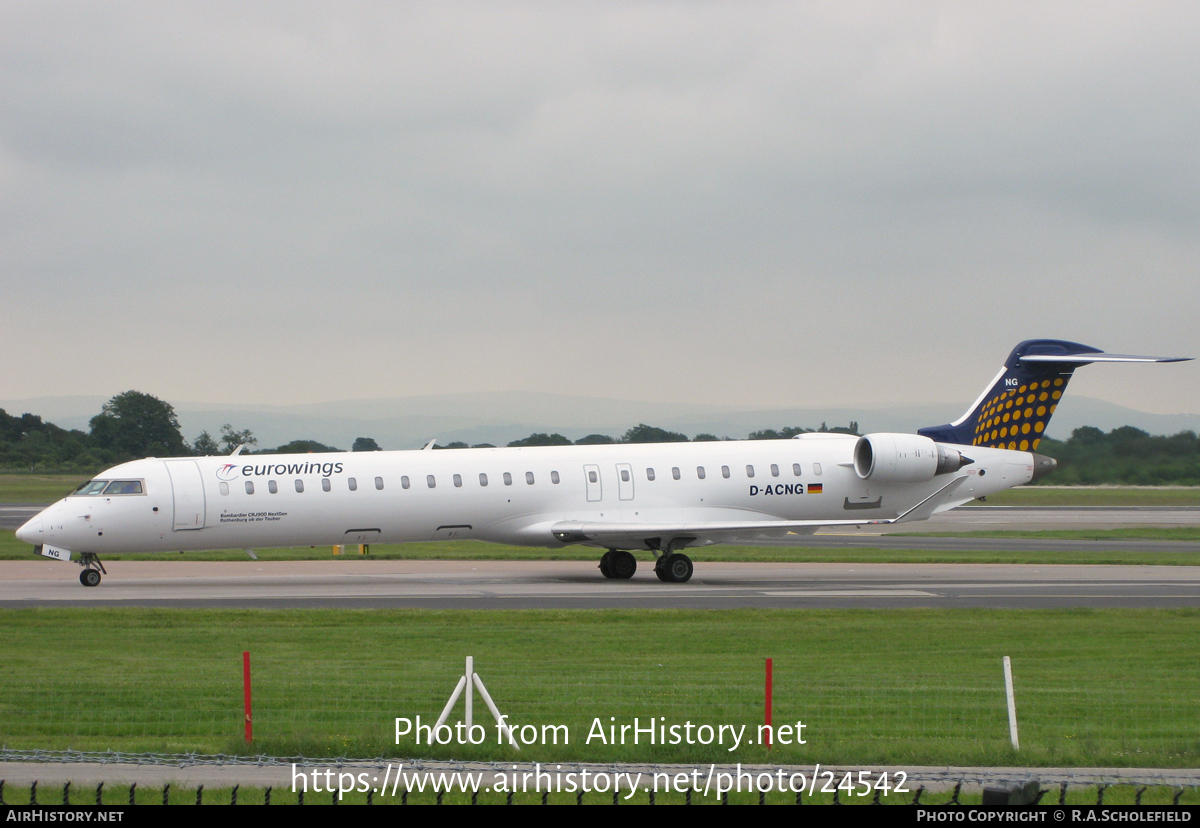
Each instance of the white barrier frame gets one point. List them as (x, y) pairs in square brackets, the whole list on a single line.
[(470, 680)]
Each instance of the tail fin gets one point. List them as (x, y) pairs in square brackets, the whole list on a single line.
[(1015, 408)]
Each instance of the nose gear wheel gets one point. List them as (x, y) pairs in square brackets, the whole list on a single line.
[(90, 576)]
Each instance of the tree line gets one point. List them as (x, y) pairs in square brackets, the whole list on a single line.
[(1125, 455), (130, 426), (642, 433), (134, 425)]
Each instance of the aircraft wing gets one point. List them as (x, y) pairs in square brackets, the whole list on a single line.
[(629, 533), (618, 534)]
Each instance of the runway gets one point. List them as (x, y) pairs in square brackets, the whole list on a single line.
[(571, 584), (962, 519), (966, 519), (577, 585), (14, 515), (978, 518)]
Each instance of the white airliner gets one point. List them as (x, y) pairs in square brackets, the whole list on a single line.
[(656, 498)]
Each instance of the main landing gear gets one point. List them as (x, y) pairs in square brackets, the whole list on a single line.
[(90, 576), (670, 567), (673, 568), (619, 564)]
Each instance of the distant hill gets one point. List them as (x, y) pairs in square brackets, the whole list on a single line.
[(501, 417)]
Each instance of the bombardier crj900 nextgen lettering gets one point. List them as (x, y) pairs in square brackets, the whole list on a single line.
[(653, 498)]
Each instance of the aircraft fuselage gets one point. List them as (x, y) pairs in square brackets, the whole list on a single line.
[(503, 495)]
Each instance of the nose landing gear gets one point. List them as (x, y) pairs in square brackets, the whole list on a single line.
[(90, 576)]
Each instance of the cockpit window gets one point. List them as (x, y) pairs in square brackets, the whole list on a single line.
[(123, 487), (92, 487)]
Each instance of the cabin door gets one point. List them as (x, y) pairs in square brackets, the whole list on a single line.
[(187, 490)]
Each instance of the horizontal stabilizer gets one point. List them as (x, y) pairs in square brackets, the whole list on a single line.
[(1086, 359)]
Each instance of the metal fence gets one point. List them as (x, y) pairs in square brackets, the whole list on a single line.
[(926, 786)]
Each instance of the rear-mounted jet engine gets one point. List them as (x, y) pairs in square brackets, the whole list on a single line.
[(904, 458)]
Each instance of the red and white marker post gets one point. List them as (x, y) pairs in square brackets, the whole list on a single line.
[(246, 684), (767, 707)]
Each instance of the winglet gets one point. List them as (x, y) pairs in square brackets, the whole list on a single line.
[(429, 446), (925, 509)]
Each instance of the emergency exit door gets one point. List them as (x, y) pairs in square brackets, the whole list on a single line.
[(591, 475), (624, 481)]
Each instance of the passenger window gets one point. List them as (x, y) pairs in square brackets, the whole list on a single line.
[(352, 483), (508, 479), (774, 470), (554, 477), (379, 483), (624, 475), (482, 479), (649, 474), (249, 487), (403, 482), (749, 471), (675, 472), (325, 484), (817, 469), (725, 472), (272, 488), (700, 472), (458, 481), (529, 478), (224, 488), (592, 477), (429, 481), (299, 485), (796, 469)]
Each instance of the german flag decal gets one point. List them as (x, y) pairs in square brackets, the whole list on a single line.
[(814, 488)]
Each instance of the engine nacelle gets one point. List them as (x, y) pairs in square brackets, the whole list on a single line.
[(904, 458)]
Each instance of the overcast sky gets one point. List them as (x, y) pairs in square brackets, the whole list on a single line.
[(752, 203)]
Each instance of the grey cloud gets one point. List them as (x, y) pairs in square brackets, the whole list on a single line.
[(653, 198)]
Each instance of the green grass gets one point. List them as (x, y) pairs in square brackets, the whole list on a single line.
[(113, 795), (12, 549), (1094, 687), (1096, 496), (1165, 533), (38, 488)]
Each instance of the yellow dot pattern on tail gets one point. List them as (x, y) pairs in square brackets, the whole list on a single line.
[(1015, 418)]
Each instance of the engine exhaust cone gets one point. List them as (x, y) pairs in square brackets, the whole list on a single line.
[(951, 460), (1043, 465)]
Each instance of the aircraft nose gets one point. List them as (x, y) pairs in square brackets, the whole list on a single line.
[(31, 532)]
